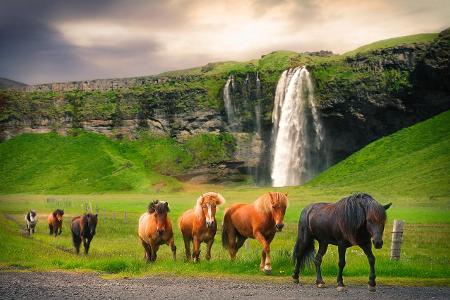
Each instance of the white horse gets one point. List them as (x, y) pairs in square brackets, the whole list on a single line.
[(31, 219)]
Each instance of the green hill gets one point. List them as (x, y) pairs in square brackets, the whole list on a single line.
[(413, 161), (86, 163)]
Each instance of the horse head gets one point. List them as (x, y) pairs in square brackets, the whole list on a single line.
[(208, 204), (32, 215), (91, 221), (58, 214), (278, 202), (160, 210), (375, 221)]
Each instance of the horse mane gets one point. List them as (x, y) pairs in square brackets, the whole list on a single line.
[(264, 203), (352, 212), (58, 211), (158, 206), (198, 203)]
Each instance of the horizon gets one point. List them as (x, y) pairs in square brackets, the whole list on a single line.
[(51, 42)]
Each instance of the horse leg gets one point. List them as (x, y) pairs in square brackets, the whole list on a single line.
[(147, 251), (60, 229), (240, 241), (50, 228), (171, 243), (208, 249), (266, 250), (155, 248), (187, 247), (340, 280), (196, 250), (318, 262), (76, 243), (87, 244), (55, 230), (368, 251)]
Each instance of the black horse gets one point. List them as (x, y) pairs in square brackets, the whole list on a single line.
[(354, 220), (83, 229)]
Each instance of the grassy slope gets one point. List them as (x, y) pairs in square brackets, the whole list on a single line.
[(74, 164), (413, 161)]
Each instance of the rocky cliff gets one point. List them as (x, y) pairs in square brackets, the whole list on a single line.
[(361, 96)]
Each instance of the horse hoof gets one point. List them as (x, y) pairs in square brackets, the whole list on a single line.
[(296, 280), (267, 270), (371, 288), (340, 288), (321, 285)]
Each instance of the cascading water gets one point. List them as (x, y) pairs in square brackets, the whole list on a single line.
[(297, 130), (227, 99), (258, 105)]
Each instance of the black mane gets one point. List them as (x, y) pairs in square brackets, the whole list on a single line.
[(354, 209), (159, 206)]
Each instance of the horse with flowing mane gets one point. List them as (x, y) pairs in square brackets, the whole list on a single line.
[(83, 229), (55, 220), (199, 224), (259, 220), (354, 220), (155, 229)]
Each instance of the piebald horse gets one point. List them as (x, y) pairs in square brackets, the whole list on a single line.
[(352, 221), (55, 220), (31, 220), (259, 220), (155, 229), (199, 224)]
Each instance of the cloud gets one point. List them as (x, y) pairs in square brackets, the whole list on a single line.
[(51, 40)]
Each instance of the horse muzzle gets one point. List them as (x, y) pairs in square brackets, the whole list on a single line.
[(209, 224), (279, 226), (378, 244), (160, 232)]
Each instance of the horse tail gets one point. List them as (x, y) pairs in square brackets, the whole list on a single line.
[(303, 253), (225, 228)]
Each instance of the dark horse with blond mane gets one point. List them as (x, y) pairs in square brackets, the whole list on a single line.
[(55, 220), (357, 220), (259, 220), (83, 230), (155, 229), (199, 224)]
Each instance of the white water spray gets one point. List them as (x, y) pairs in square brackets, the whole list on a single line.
[(297, 131), (228, 101)]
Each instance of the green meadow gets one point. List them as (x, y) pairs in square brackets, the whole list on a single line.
[(408, 168)]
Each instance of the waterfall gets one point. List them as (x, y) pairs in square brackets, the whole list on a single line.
[(297, 130), (228, 103), (258, 105)]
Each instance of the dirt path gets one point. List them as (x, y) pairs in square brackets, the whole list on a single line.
[(49, 285)]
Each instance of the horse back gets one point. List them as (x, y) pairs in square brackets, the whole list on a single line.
[(323, 223)]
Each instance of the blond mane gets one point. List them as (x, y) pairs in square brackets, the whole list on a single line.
[(265, 202), (198, 205)]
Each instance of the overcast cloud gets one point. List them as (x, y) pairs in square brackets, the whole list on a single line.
[(54, 40)]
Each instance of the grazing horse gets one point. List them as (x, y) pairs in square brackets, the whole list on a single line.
[(259, 220), (155, 229), (354, 220), (83, 229), (199, 224), (55, 220), (31, 219)]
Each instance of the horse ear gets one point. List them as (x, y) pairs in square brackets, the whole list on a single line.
[(96, 215), (272, 201), (151, 207), (286, 194), (167, 206), (386, 207)]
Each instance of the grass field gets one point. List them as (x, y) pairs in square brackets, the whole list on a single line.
[(408, 168)]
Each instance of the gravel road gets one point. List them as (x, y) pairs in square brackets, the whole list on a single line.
[(50, 285)]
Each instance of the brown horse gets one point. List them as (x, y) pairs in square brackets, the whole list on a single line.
[(199, 224), (259, 220), (354, 220), (155, 229), (83, 230), (55, 220)]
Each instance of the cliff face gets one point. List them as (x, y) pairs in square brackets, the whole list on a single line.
[(360, 97)]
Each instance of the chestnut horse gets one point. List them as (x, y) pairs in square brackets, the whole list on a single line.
[(55, 220), (354, 220), (155, 229), (83, 229), (199, 224), (259, 220)]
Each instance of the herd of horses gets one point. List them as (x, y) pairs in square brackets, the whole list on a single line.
[(356, 220)]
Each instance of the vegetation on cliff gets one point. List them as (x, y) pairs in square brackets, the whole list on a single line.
[(413, 161)]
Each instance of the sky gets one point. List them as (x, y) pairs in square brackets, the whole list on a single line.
[(54, 41)]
